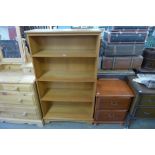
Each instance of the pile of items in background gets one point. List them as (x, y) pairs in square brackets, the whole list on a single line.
[(126, 50)]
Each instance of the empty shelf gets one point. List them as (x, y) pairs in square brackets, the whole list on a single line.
[(71, 95), (66, 53), (69, 111), (68, 76)]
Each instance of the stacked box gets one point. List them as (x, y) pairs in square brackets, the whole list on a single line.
[(123, 47)]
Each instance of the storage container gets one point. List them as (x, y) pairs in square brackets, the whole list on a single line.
[(128, 62)]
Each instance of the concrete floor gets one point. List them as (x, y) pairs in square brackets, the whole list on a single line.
[(138, 124)]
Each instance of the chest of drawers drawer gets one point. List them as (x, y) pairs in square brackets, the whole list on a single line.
[(112, 103), (19, 115), (16, 87), (147, 100), (15, 108), (16, 97), (19, 102), (142, 112), (110, 115), (19, 98)]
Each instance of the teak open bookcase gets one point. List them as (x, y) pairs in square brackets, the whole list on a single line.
[(65, 65)]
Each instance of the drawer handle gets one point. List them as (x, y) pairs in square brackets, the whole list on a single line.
[(4, 93), (114, 103), (12, 89), (97, 93), (24, 114), (15, 88), (110, 115), (147, 113), (20, 100)]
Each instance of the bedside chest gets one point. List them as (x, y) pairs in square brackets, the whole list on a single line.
[(143, 105), (113, 98)]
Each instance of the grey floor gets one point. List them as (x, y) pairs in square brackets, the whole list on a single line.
[(138, 124)]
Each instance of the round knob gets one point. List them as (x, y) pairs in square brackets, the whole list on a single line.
[(24, 114)]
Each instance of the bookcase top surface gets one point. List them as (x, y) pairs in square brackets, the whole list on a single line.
[(64, 31)]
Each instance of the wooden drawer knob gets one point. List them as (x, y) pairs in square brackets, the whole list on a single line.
[(20, 100), (15, 88), (24, 114)]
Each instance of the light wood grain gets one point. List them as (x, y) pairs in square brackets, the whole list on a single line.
[(66, 53), (113, 87), (67, 76), (71, 95), (65, 65), (69, 111), (38, 122)]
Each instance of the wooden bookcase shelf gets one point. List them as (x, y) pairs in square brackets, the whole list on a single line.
[(69, 111), (65, 65), (63, 76), (68, 95), (65, 53)]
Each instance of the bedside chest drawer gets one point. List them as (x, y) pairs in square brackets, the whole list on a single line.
[(16, 87), (110, 115), (112, 103), (145, 112), (147, 101)]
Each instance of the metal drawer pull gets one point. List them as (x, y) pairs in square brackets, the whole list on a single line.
[(147, 113)]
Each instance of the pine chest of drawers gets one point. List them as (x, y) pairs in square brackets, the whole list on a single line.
[(143, 105), (19, 99), (113, 98)]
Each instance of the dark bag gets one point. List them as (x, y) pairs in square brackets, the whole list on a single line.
[(149, 53), (149, 58)]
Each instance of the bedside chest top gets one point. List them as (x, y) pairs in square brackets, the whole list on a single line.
[(113, 87), (140, 88)]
